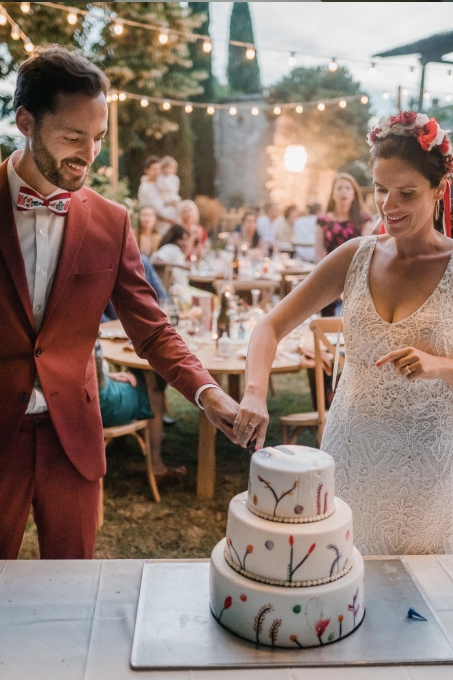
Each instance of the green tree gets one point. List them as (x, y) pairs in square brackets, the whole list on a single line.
[(202, 124), (243, 74), (338, 133)]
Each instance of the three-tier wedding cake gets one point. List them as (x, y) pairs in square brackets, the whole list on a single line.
[(287, 573)]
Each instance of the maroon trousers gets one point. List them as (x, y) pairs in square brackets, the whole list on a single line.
[(35, 471)]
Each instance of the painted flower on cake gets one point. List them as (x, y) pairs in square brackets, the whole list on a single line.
[(291, 570), (340, 621), (320, 628), (273, 632), (226, 605), (259, 619), (269, 545), (294, 639), (268, 485)]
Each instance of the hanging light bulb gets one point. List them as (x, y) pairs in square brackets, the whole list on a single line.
[(299, 109), (277, 110), (188, 108), (385, 95), (292, 58), (114, 96), (166, 106), (108, 99), (448, 97), (250, 52), (426, 95), (411, 71), (118, 27), (449, 73), (232, 110), (364, 99), (15, 32), (3, 18), (25, 7), (122, 96), (342, 104), (207, 46), (333, 66), (144, 102), (255, 111), (405, 92), (72, 17), (321, 106), (163, 37), (373, 65), (28, 46), (210, 110)]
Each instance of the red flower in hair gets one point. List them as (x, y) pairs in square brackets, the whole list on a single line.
[(374, 135), (404, 117), (444, 145), (427, 134)]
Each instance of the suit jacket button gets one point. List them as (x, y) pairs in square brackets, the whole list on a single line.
[(23, 398), (38, 351)]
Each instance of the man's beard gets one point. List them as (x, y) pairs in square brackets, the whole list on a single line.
[(47, 166)]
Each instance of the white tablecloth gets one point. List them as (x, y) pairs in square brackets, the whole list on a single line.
[(74, 620)]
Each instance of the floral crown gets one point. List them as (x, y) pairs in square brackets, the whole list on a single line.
[(426, 131)]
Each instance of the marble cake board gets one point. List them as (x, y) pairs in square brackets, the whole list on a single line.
[(175, 629)]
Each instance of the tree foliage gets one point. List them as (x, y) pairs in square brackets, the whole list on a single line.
[(243, 74), (339, 134)]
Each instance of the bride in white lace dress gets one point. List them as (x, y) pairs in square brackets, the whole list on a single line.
[(390, 426)]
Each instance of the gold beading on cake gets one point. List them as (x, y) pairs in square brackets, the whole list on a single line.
[(290, 520), (287, 584)]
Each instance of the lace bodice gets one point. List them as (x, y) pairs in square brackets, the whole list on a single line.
[(392, 440)]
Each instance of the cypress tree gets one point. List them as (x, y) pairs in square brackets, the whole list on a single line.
[(243, 74), (202, 124)]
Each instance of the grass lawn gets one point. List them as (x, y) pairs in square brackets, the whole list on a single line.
[(181, 525)]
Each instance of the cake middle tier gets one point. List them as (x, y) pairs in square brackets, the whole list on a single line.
[(289, 554)]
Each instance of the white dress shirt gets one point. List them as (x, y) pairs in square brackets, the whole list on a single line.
[(267, 228)]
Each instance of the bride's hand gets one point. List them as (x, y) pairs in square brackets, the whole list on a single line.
[(251, 422), (411, 363)]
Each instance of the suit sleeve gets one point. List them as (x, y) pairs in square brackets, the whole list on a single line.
[(147, 326)]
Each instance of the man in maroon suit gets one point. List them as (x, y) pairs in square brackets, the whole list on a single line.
[(64, 252)]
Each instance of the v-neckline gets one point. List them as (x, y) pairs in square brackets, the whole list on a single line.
[(395, 323)]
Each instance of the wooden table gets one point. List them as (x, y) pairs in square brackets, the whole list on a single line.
[(233, 367)]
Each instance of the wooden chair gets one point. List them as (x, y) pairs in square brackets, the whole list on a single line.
[(294, 424), (164, 272)]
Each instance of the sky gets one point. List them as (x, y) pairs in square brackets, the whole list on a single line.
[(350, 31)]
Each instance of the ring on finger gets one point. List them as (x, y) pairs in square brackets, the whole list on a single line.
[(250, 425)]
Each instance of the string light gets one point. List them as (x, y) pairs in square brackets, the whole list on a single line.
[(426, 95), (144, 102), (118, 27), (72, 17), (449, 73), (385, 95), (232, 110), (163, 37), (122, 96), (333, 66), (114, 96), (277, 110), (342, 104), (321, 106), (405, 92), (210, 110), (25, 7), (292, 58), (207, 46), (108, 99), (250, 53), (364, 99), (188, 108), (15, 32), (255, 111), (448, 97), (28, 46), (411, 71), (373, 65), (3, 18), (166, 106), (299, 109)]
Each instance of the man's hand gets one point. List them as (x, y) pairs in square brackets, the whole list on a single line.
[(124, 376), (220, 409)]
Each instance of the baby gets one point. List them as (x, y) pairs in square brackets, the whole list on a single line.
[(168, 182)]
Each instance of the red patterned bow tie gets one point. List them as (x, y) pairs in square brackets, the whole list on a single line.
[(29, 199)]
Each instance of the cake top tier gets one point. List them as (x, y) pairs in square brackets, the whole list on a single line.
[(291, 484)]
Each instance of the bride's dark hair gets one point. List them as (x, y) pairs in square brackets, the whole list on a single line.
[(430, 164)]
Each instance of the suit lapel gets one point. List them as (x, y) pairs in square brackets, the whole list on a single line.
[(75, 228), (10, 246)]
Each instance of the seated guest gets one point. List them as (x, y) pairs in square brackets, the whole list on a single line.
[(267, 224), (198, 236), (172, 251), (285, 224), (304, 233), (168, 182), (149, 194), (135, 395), (148, 238), (246, 232)]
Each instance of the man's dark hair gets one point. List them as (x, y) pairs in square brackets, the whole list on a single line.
[(151, 160), (53, 70)]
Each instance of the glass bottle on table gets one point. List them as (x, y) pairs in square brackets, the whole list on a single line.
[(255, 313), (235, 263), (223, 320), (173, 305)]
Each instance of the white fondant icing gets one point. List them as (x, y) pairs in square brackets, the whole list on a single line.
[(286, 617), (264, 548), (294, 482)]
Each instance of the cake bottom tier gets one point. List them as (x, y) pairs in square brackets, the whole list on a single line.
[(281, 616)]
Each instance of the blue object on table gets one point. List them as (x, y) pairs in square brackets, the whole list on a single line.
[(412, 614)]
